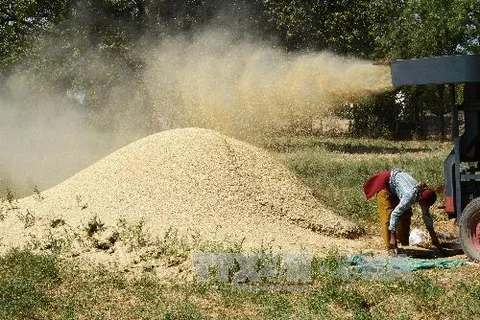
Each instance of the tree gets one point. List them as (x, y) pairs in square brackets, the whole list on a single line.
[(341, 26), (425, 28), (20, 21), (95, 50), (61, 42)]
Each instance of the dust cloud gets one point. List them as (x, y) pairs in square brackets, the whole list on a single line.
[(215, 80), (44, 139), (239, 86)]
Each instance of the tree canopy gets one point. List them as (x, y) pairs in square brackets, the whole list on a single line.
[(81, 30)]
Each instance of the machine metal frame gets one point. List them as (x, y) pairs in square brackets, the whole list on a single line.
[(462, 166)]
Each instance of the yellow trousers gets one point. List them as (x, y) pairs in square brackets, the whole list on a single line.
[(386, 203)]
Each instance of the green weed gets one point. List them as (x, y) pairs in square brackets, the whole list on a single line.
[(37, 195), (94, 226), (11, 200), (28, 218), (81, 203), (9, 195)]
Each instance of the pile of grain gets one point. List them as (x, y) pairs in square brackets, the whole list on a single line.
[(194, 181)]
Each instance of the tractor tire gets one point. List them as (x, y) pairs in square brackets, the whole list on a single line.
[(470, 229)]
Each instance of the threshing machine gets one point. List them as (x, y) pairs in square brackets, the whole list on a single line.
[(462, 165)]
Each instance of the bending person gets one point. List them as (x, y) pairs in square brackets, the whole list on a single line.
[(397, 192)]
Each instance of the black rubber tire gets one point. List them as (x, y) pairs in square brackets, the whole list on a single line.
[(470, 229)]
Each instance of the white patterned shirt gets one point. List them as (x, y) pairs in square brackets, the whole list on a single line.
[(405, 187)]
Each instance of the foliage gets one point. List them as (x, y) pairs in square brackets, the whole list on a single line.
[(423, 28), (20, 22), (377, 116), (87, 48), (410, 112), (344, 26)]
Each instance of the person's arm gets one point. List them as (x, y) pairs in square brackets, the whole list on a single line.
[(427, 220)]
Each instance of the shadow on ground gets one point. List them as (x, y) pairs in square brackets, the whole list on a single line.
[(357, 148), (421, 253), (344, 147)]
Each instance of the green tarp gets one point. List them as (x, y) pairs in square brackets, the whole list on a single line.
[(378, 265)]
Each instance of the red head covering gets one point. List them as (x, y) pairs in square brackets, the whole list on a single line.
[(428, 197), (376, 183)]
